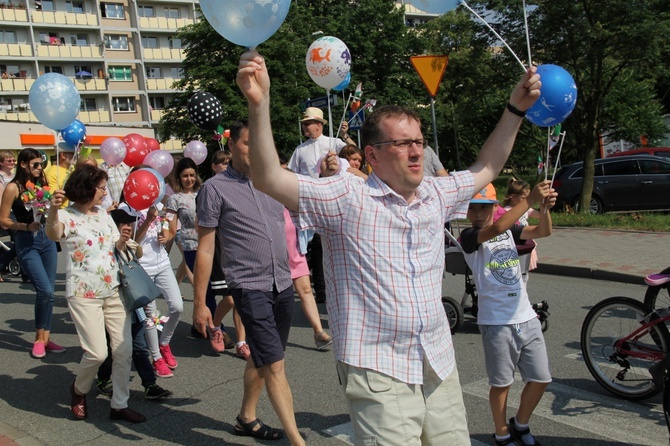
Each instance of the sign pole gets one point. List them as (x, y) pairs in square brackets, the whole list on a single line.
[(432, 109)]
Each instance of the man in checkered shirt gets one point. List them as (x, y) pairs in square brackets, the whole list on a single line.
[(383, 258)]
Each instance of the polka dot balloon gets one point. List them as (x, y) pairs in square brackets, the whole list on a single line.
[(205, 110)]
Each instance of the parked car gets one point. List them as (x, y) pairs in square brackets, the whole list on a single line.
[(624, 183), (656, 151)]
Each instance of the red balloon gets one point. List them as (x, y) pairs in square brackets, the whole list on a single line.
[(152, 144), (141, 189), (136, 149)]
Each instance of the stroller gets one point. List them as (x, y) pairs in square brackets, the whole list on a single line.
[(8, 259), (455, 264)]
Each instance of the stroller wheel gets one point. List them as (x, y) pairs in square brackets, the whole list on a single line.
[(14, 267), (454, 313), (544, 324)]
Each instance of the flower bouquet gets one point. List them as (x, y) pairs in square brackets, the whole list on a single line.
[(37, 198)]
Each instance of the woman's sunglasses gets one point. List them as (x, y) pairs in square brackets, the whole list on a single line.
[(36, 165)]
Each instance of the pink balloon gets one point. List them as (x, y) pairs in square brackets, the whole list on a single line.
[(113, 151), (161, 161), (197, 151)]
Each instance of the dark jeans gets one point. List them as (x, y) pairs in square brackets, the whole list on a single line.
[(38, 258), (141, 359), (315, 262)]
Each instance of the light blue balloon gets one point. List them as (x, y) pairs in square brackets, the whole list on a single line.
[(435, 6), (74, 133), (245, 22), (344, 84), (558, 97), (54, 100)]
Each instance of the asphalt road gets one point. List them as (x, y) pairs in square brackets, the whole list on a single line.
[(34, 394)]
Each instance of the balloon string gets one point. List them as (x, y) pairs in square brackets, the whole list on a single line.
[(546, 161), (496, 34), (525, 21), (346, 106), (330, 122), (558, 157)]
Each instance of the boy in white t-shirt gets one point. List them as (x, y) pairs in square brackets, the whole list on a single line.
[(506, 317)]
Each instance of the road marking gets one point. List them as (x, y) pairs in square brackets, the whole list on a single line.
[(611, 418), (343, 433)]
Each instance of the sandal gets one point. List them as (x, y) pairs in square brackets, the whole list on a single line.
[(322, 340), (78, 404), (263, 431)]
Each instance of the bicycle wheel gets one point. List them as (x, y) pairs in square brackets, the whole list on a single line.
[(454, 313), (621, 373), (658, 297)]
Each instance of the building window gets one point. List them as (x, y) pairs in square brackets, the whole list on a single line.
[(154, 73), (79, 39), (53, 69), (172, 13), (88, 104), (121, 73), (112, 10), (44, 5), (123, 104), (149, 42), (157, 102), (7, 37), (177, 73), (175, 43), (146, 11), (116, 42), (76, 7)]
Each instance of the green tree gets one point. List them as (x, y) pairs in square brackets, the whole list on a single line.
[(613, 49)]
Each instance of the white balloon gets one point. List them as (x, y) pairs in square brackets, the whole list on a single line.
[(328, 62)]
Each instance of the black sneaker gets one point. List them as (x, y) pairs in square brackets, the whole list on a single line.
[(522, 437), (104, 386), (507, 442), (156, 392)]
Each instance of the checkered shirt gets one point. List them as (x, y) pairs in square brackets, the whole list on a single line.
[(383, 263), (117, 178)]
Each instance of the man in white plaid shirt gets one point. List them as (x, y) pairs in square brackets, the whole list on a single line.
[(384, 258)]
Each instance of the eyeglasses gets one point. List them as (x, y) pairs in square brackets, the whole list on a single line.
[(403, 143), (10, 161), (36, 165), (102, 189)]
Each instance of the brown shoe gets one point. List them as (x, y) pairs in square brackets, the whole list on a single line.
[(78, 404), (127, 414)]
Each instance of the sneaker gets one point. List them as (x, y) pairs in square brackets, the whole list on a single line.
[(104, 386), (227, 340), (156, 392), (216, 339), (523, 437), (242, 351), (39, 350), (506, 442), (52, 347), (161, 369), (167, 355)]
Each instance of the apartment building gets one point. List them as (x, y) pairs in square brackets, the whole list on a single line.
[(413, 15), (122, 55)]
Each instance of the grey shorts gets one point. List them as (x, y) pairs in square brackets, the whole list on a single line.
[(509, 346)]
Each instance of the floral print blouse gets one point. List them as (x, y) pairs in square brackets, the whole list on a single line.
[(92, 271)]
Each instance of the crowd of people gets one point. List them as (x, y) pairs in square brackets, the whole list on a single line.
[(364, 226)]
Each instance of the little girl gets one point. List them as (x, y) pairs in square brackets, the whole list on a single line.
[(517, 191), (354, 156)]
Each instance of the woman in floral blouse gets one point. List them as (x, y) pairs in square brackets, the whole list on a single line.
[(92, 287)]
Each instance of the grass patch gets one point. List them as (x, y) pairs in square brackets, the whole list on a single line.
[(634, 221)]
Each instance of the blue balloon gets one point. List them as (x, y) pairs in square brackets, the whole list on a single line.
[(344, 84), (74, 133), (558, 97), (435, 6), (245, 22), (54, 100)]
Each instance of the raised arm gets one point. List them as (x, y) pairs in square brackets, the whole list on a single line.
[(267, 174), (498, 145)]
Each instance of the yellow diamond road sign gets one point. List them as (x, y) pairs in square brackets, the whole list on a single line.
[(430, 69)]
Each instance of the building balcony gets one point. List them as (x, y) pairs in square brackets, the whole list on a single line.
[(156, 115), (64, 18), (160, 84), (88, 117), (163, 54), (163, 23), (14, 15), (90, 84), (16, 84), (16, 49), (18, 116), (70, 51)]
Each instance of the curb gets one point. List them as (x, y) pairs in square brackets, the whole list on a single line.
[(588, 273), (9, 435)]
